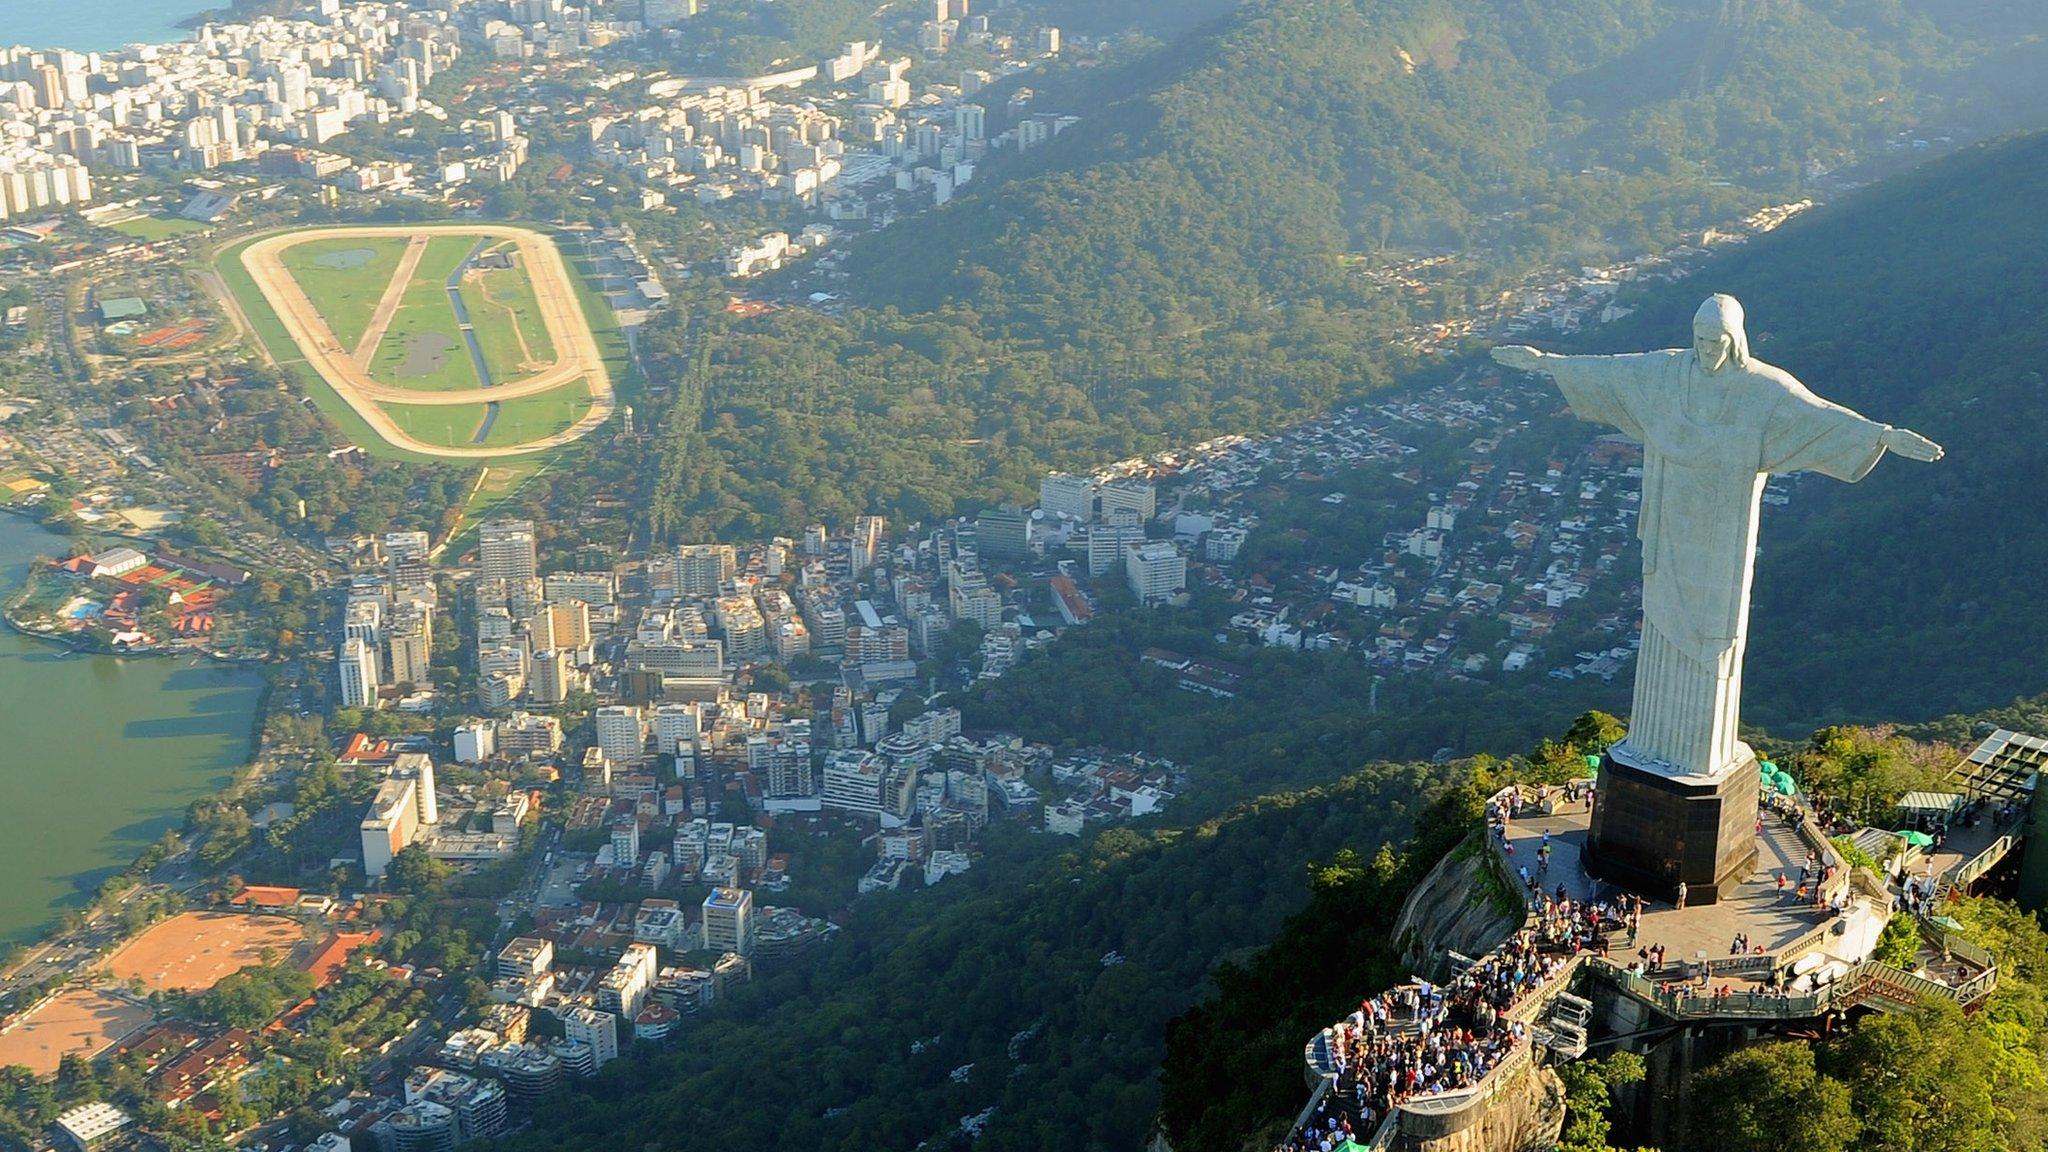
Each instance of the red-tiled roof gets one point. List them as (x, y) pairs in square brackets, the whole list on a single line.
[(265, 896)]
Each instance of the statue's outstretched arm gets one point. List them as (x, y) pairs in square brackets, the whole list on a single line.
[(1520, 357), (1912, 445), (1600, 389)]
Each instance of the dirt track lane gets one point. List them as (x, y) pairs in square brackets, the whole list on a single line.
[(577, 356), (387, 304)]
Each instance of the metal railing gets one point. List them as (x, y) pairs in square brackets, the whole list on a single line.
[(1315, 1101), (1970, 871), (1681, 1001), (1870, 982), (1478, 1092), (1953, 943)]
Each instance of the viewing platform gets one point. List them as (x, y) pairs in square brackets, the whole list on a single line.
[(1794, 940)]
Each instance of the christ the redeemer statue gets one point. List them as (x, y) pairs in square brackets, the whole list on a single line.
[(1714, 424)]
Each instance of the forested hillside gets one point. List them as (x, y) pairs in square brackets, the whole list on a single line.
[(1161, 19), (1241, 164), (1919, 302), (1203, 253), (1036, 988)]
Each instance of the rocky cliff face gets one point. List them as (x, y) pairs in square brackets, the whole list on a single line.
[(1526, 1116), (1465, 904)]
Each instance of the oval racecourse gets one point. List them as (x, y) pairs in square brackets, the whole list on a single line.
[(453, 341)]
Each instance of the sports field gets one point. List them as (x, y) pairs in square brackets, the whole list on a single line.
[(192, 951), (507, 320), (443, 340), (345, 279), (82, 1020), (536, 416), (515, 422), (424, 347)]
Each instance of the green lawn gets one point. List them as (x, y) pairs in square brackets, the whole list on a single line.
[(445, 425), (451, 425), (424, 347), (345, 278), (498, 484), (505, 312), (526, 420), (519, 421), (150, 229), (270, 332)]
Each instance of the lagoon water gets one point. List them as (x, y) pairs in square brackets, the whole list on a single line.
[(98, 755), (96, 25)]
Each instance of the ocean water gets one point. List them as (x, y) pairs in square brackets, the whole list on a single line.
[(95, 25)]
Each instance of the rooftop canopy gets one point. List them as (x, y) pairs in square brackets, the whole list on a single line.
[(1936, 803)]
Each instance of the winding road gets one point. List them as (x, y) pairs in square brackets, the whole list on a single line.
[(577, 356)]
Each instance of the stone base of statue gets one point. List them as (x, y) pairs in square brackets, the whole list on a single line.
[(1654, 828)]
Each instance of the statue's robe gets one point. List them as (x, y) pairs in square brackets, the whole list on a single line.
[(1709, 439)]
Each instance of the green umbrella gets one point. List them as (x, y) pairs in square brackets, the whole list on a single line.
[(1916, 839), (1785, 785), (1769, 767), (1593, 762)]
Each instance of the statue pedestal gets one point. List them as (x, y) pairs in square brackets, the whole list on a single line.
[(1652, 830)]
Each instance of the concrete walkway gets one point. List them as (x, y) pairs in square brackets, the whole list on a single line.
[(1694, 933)]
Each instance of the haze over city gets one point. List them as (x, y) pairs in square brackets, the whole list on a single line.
[(1209, 575)]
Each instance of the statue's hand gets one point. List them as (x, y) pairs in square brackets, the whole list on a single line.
[(1912, 445), (1520, 357)]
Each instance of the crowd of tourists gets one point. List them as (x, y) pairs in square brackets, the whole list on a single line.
[(1423, 1038)]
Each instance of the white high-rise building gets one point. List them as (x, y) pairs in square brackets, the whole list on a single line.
[(1109, 538), (729, 921), (853, 782), (404, 804), (507, 550), (359, 679), (420, 767), (622, 733), (626, 843), (868, 534), (623, 990), (676, 728), (1129, 492), (1156, 572), (411, 639), (702, 569), (548, 680), (476, 742), (1063, 494), (597, 1029), (971, 121)]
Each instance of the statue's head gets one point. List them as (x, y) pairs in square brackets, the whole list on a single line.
[(1717, 335)]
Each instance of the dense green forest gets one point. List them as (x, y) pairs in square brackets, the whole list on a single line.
[(1300, 719), (1038, 985), (1238, 166), (1934, 1079), (1918, 302)]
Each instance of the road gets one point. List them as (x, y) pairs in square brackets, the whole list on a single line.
[(577, 354)]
